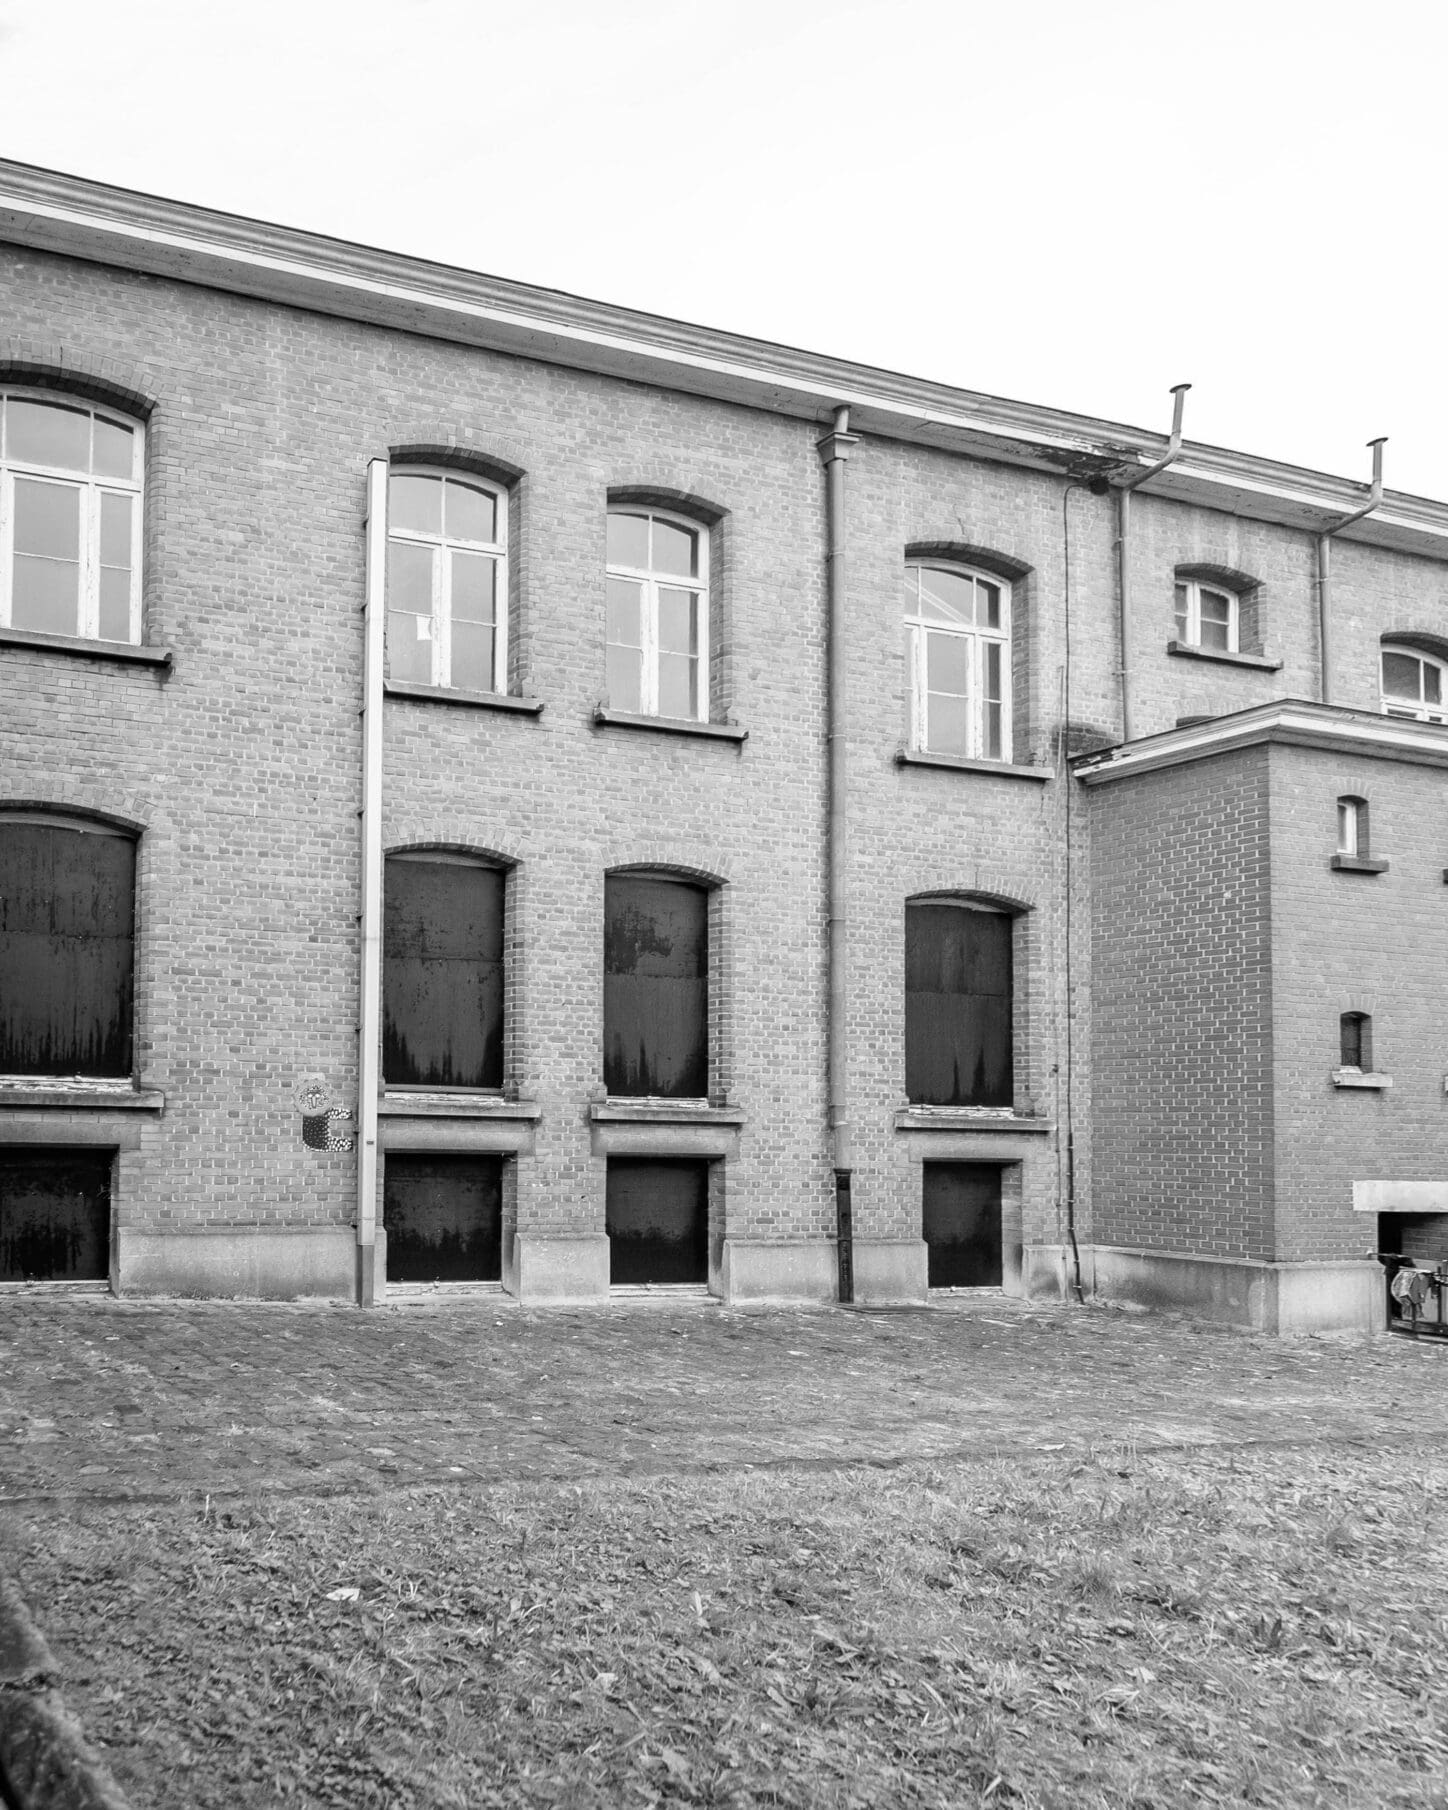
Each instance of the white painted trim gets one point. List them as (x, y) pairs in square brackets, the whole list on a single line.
[(369, 1052)]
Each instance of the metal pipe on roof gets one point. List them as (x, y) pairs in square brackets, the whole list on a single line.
[(1324, 567), (1123, 552)]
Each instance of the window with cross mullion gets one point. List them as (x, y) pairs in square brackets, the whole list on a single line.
[(447, 581), (658, 615), (957, 627)]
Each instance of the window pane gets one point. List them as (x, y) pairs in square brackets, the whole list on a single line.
[(949, 726), (115, 450), (946, 596), (1181, 612), (676, 685), (991, 732), (1432, 684), (625, 678), (1347, 836), (115, 613), (40, 433), (474, 586), (47, 595), (1400, 675), (992, 651), (988, 604), (628, 540), (947, 663), (676, 622), (472, 656), (47, 519), (625, 612), (472, 514), (116, 515), (1214, 634), (675, 550), (409, 647), (415, 504), (409, 577)]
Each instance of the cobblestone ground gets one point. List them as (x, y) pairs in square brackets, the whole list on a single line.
[(120, 1400)]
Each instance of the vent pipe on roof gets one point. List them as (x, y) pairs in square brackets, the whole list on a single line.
[(1324, 567), (1123, 550), (834, 448)]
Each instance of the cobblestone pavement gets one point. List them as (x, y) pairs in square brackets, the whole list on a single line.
[(122, 1400)]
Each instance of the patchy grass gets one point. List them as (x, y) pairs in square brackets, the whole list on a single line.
[(1204, 1628)]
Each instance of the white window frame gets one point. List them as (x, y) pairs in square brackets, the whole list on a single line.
[(91, 488), (440, 545), (1422, 711), (1350, 837), (918, 627), (653, 582), (1192, 634)]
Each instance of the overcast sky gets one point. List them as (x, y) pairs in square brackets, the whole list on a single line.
[(1072, 204)]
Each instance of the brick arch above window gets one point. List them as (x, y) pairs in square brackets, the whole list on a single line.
[(683, 498), (494, 456), (1229, 578), (127, 812), (710, 868), (992, 560), (465, 851), (1417, 641), (973, 898), (113, 383)]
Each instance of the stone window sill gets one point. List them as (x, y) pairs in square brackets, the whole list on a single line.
[(471, 700), (607, 718), (663, 1112), (58, 1090), (665, 1128), (969, 1118), (124, 653), (1184, 650), (1356, 1077), (1002, 769), (453, 1103), (1356, 864)]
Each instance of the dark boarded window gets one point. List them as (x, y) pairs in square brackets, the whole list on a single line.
[(444, 1218), (962, 1215), (658, 1221), (1355, 1040), (55, 1215), (442, 973), (655, 987), (957, 1006), (67, 949)]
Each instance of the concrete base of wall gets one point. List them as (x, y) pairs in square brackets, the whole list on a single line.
[(1046, 1273), (757, 1270), (891, 1272), (267, 1264), (1342, 1296), (557, 1272)]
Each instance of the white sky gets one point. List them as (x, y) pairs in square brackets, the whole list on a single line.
[(1076, 204)]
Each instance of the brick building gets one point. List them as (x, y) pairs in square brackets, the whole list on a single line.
[(494, 786)]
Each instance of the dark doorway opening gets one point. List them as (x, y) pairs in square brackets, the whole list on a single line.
[(444, 1218), (657, 1221), (655, 987), (962, 1215), (55, 1215)]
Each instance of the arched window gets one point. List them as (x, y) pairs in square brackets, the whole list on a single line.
[(957, 649), (655, 987), (67, 946), (447, 580), (1208, 615), (658, 614), (959, 1004), (1413, 685), (70, 518), (1355, 1039), (442, 971)]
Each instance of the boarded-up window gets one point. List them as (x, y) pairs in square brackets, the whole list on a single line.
[(443, 1216), (67, 949), (655, 987), (962, 1224), (658, 1221), (957, 1006), (55, 1215), (442, 976)]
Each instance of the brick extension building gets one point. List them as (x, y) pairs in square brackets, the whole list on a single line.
[(497, 786)]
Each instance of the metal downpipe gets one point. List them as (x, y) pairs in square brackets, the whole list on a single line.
[(1123, 547), (369, 1036), (1324, 568)]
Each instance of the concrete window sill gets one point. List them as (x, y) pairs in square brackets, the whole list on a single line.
[(606, 718), (1356, 864), (663, 1128), (969, 1118), (1001, 769), (106, 1096), (124, 653), (453, 1103), (1184, 650), (1356, 1077), (470, 700), (663, 1112)]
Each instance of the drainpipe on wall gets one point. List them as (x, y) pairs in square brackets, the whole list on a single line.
[(1123, 556), (1324, 568), (834, 448), (369, 1038)]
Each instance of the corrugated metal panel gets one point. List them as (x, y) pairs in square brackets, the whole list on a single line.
[(67, 950), (655, 988), (444, 1218), (962, 1224), (658, 1221), (55, 1215), (958, 1006), (442, 974)]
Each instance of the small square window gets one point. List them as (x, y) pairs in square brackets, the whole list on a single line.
[(1208, 616)]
